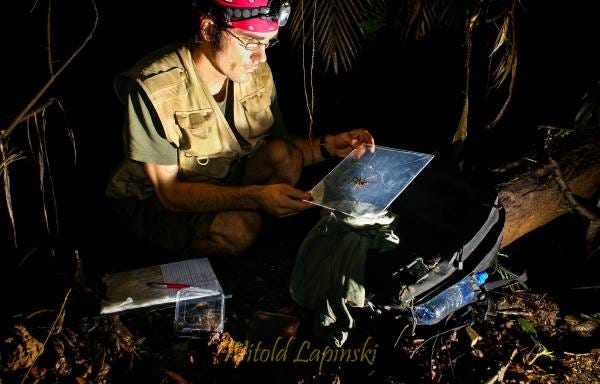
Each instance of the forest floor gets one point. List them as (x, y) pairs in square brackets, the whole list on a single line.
[(547, 333)]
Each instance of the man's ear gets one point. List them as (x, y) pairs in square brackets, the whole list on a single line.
[(208, 28)]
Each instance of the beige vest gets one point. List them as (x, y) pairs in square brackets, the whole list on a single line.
[(191, 118)]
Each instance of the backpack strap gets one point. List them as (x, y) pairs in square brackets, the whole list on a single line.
[(502, 283)]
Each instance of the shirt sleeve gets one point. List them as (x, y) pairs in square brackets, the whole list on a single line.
[(143, 133)]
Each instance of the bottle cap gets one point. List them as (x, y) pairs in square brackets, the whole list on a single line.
[(481, 277)]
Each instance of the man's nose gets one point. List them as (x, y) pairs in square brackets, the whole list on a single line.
[(260, 54)]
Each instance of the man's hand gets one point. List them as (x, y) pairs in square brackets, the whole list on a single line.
[(343, 143), (181, 196), (282, 199)]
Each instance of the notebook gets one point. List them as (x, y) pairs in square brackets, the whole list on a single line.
[(141, 288)]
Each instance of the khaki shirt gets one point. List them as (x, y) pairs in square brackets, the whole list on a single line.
[(170, 121)]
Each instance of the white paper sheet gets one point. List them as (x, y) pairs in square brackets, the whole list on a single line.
[(129, 290)]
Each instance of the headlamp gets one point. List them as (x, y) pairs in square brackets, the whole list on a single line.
[(275, 10), (283, 13)]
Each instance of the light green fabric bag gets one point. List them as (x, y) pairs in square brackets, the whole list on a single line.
[(329, 272)]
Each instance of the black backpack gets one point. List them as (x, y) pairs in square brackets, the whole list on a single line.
[(448, 228), (444, 228)]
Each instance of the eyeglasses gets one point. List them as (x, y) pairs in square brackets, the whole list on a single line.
[(254, 44)]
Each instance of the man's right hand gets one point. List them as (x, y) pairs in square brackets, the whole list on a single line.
[(175, 195), (282, 199)]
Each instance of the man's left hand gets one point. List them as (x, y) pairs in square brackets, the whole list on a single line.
[(343, 143)]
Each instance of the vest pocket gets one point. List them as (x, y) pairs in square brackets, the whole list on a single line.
[(166, 85), (258, 112), (199, 134), (213, 172)]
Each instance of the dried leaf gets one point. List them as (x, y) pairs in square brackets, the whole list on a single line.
[(6, 158), (473, 335), (461, 132)]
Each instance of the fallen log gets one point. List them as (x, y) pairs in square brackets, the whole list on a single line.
[(533, 198)]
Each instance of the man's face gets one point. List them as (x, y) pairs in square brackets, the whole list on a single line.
[(234, 60)]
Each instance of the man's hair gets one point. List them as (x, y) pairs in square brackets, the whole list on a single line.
[(205, 9)]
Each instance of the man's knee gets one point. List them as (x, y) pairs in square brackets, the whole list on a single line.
[(285, 158), (232, 232)]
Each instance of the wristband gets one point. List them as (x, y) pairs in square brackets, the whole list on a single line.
[(323, 147)]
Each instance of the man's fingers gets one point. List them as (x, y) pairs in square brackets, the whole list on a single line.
[(368, 140), (298, 205), (356, 139), (364, 138), (293, 198), (295, 193), (291, 211), (291, 206), (360, 151)]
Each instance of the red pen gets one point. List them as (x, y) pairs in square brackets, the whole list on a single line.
[(167, 285)]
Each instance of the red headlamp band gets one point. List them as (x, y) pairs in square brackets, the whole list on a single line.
[(241, 3), (254, 15), (255, 25)]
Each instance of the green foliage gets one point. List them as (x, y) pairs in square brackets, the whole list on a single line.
[(554, 134), (527, 327), (538, 350), (507, 274), (595, 317), (371, 28), (340, 27), (335, 29), (589, 112)]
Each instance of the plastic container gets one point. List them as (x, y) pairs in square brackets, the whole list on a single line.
[(449, 300), (198, 311)]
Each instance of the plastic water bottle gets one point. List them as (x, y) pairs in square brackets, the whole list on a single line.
[(449, 300)]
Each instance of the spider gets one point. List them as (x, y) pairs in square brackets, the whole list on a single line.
[(360, 182)]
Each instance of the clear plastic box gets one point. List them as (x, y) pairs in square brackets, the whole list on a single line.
[(198, 311), (366, 186)]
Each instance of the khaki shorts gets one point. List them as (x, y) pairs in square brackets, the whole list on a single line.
[(150, 222)]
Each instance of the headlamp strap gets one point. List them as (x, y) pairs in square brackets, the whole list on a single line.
[(275, 10)]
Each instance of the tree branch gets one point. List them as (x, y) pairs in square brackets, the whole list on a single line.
[(532, 198), (567, 192), (20, 117), (39, 109)]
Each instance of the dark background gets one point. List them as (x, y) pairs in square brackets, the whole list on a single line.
[(409, 94)]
